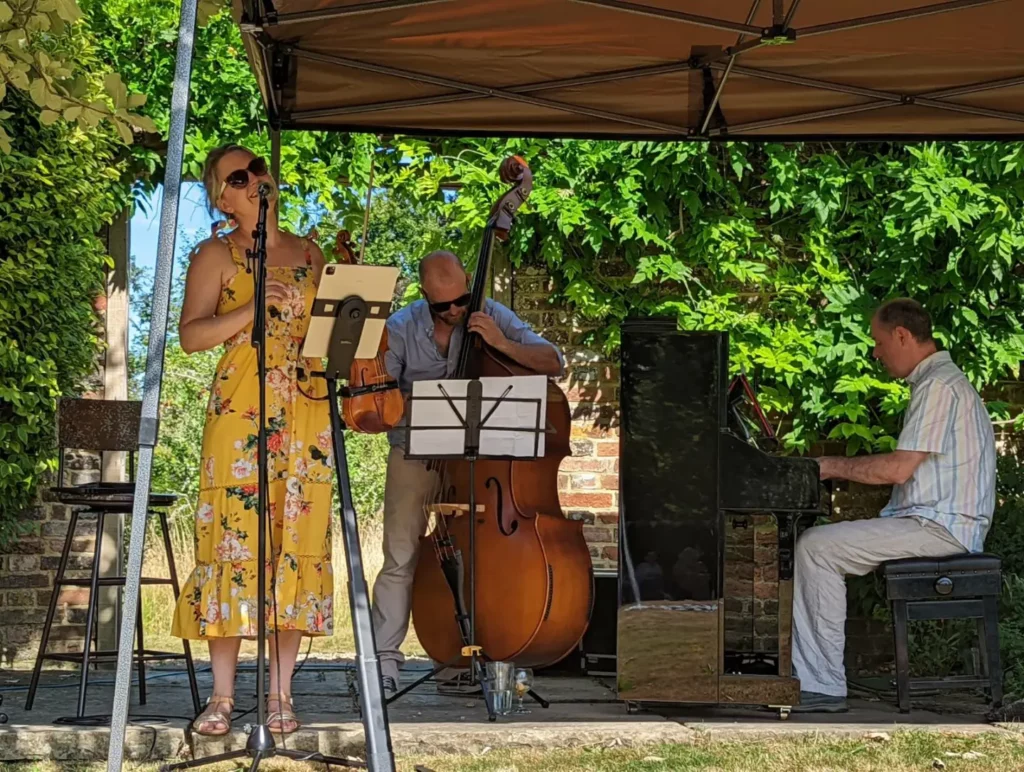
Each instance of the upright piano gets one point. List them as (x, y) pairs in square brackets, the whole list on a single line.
[(708, 523)]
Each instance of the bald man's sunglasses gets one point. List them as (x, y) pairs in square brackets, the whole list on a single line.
[(461, 302)]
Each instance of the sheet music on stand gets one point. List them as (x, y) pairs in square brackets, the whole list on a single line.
[(511, 419)]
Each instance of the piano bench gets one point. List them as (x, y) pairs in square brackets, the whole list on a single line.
[(964, 586)]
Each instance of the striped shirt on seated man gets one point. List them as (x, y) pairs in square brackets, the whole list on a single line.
[(943, 474)]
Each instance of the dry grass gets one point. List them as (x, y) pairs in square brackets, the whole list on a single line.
[(158, 601), (903, 752)]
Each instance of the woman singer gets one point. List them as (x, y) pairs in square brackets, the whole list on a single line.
[(218, 602)]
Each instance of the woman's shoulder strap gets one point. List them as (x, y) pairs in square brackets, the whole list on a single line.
[(236, 253)]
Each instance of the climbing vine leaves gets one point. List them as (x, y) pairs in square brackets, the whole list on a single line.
[(39, 57), (789, 248)]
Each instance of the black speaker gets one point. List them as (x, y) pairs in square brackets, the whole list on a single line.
[(596, 653)]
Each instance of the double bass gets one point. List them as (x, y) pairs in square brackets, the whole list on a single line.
[(534, 578)]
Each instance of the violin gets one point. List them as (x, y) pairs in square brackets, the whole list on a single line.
[(534, 583), (371, 402)]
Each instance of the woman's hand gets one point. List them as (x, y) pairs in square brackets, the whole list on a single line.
[(276, 291)]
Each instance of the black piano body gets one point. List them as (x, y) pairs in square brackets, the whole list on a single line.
[(696, 497)]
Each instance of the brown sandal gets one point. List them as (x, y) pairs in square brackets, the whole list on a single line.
[(283, 716), (215, 715)]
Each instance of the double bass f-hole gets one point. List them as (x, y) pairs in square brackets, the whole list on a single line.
[(500, 509)]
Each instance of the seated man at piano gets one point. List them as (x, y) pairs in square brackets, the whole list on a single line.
[(943, 496), (424, 340)]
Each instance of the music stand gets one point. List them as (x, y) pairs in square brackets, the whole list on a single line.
[(446, 433)]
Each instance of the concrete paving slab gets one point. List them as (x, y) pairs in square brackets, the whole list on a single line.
[(583, 712)]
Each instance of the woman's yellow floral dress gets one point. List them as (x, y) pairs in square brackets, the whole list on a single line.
[(219, 598)]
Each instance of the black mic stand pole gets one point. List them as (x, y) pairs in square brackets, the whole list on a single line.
[(260, 739)]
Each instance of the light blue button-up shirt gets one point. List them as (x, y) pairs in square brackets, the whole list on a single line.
[(956, 483), (413, 354)]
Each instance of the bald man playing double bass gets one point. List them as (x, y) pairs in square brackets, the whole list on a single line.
[(424, 340)]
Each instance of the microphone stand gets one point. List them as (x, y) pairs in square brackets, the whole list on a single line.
[(261, 741)]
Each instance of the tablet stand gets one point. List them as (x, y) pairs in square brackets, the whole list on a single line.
[(471, 424)]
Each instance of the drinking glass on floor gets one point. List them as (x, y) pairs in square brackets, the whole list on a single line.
[(522, 685)]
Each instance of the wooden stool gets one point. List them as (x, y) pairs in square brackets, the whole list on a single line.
[(965, 586)]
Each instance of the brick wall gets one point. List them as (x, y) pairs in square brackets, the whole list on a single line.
[(28, 569), (589, 480)]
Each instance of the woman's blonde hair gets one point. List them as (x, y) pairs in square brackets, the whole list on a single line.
[(210, 182)]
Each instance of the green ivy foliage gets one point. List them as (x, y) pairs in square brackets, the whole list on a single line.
[(789, 248), (59, 186)]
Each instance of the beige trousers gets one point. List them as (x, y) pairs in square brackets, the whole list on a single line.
[(407, 485), (825, 555)]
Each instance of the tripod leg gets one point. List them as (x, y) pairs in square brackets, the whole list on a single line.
[(319, 758), (379, 756), (427, 677), (540, 700), (193, 763)]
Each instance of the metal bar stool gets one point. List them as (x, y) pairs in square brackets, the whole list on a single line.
[(104, 425), (965, 586)]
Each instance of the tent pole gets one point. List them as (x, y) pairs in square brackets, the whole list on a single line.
[(275, 155), (148, 428)]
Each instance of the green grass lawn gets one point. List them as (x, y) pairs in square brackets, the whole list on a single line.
[(898, 752)]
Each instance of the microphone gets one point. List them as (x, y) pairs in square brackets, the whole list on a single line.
[(264, 189)]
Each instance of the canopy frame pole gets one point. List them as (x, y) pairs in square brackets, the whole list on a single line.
[(690, 18), (528, 88), (710, 109), (275, 155), (788, 21), (883, 18), (484, 91), (149, 425), (274, 19), (882, 99)]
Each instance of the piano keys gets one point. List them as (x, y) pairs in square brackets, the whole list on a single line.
[(696, 495)]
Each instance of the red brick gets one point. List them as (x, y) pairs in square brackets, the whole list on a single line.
[(608, 519), (603, 432), (607, 449), (610, 553), (596, 500), (610, 482), (24, 563), (581, 515), (21, 598), (587, 465), (584, 448), (563, 482), (595, 534), (25, 581), (585, 393), (584, 480)]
